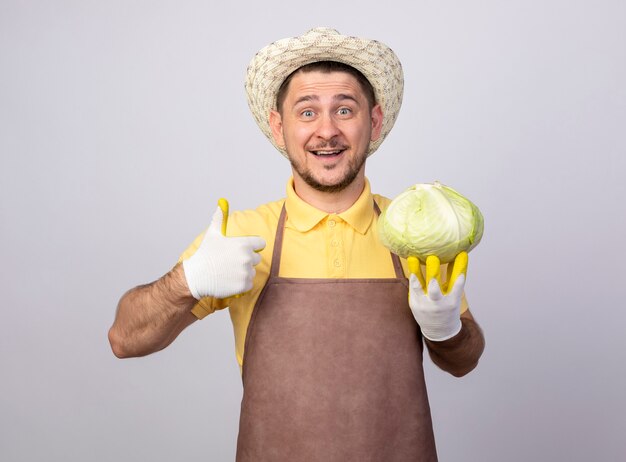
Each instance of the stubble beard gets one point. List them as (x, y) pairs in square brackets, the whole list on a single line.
[(354, 167)]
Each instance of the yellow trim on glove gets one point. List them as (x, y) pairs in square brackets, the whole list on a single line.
[(433, 271), (223, 205)]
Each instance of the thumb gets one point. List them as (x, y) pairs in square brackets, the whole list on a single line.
[(216, 222), (224, 207)]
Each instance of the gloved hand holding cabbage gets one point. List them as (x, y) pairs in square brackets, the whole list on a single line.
[(433, 224)]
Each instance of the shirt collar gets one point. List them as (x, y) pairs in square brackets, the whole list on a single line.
[(303, 217)]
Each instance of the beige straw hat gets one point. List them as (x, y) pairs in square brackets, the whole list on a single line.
[(376, 61)]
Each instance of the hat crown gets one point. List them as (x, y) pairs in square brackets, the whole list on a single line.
[(322, 31)]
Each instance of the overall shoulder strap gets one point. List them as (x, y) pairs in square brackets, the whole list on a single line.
[(397, 265), (278, 243)]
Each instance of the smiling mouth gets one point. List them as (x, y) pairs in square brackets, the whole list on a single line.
[(327, 153)]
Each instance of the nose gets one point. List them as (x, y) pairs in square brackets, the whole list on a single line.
[(327, 128)]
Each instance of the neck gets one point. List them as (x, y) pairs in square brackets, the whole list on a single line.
[(330, 202)]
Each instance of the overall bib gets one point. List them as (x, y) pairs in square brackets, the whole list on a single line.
[(333, 372)]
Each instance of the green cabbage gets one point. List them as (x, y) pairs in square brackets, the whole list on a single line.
[(430, 219)]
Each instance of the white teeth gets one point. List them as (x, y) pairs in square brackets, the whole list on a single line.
[(325, 153)]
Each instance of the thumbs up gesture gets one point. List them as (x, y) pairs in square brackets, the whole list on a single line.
[(436, 306), (222, 266)]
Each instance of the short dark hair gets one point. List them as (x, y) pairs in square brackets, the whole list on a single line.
[(327, 67)]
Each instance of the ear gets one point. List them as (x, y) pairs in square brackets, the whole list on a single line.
[(377, 122), (276, 124)]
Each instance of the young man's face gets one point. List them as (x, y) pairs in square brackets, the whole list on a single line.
[(326, 126)]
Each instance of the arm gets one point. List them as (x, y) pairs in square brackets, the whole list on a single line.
[(150, 317), (455, 342), (459, 355)]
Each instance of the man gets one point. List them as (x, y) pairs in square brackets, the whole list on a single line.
[(330, 349)]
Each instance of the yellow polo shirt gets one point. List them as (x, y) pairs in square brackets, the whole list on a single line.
[(316, 244)]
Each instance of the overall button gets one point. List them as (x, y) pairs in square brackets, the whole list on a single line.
[(337, 263), (331, 223)]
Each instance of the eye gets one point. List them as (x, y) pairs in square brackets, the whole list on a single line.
[(308, 114), (344, 111)]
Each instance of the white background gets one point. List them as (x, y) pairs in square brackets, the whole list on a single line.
[(122, 122)]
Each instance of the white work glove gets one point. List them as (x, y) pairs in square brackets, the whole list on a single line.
[(222, 266), (437, 311)]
